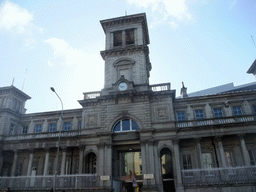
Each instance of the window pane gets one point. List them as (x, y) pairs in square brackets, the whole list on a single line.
[(207, 160), (126, 125), (134, 125), (52, 127), (218, 112), (199, 114), (118, 38), (181, 116), (38, 128), (67, 126), (254, 108), (251, 155), (237, 110), (80, 125), (129, 35), (25, 130), (117, 127)]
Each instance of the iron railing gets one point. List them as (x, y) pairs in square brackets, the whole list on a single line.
[(219, 176), (216, 121), (83, 181), (160, 87)]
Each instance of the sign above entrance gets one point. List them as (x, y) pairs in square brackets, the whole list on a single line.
[(148, 176), (104, 177)]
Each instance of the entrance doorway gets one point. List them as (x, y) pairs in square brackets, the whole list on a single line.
[(131, 171), (167, 170), (127, 168)]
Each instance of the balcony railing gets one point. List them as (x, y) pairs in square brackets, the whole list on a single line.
[(216, 121), (161, 87), (43, 135), (83, 181), (219, 176), (91, 95)]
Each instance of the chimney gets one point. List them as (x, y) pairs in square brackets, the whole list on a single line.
[(183, 91)]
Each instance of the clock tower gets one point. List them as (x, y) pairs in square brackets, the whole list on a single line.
[(126, 54)]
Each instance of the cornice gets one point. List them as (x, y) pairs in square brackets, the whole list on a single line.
[(125, 50), (12, 89)]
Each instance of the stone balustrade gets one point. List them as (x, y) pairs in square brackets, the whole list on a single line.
[(219, 176)]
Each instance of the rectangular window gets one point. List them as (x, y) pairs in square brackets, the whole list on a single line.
[(252, 157), (237, 110), (199, 114), (187, 163), (207, 160), (117, 38), (12, 127), (19, 169), (67, 126), (254, 108), (218, 112), (229, 159), (24, 129), (80, 125), (181, 116), (38, 128), (129, 37), (52, 127)]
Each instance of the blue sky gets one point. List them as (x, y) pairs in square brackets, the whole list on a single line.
[(204, 43)]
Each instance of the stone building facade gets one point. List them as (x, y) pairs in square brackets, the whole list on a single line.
[(131, 136)]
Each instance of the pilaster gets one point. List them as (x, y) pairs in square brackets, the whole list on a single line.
[(246, 156), (179, 187), (63, 162), (14, 164), (221, 151)]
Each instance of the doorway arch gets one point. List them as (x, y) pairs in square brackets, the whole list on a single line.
[(167, 170), (90, 165)]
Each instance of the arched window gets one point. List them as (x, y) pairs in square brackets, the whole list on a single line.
[(125, 125)]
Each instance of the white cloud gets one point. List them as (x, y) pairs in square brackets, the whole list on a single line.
[(177, 9), (14, 18), (63, 50)]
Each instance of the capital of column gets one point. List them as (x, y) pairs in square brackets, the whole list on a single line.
[(241, 136), (176, 141), (197, 139)]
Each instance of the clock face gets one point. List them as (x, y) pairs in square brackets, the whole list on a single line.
[(122, 86)]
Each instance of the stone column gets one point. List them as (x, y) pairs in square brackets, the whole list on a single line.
[(46, 166), (81, 159), (46, 163), (246, 156), (31, 155), (221, 151), (158, 167), (179, 186), (151, 161), (199, 153), (100, 162), (123, 38), (63, 162), (14, 164), (148, 165), (108, 163), (144, 162)]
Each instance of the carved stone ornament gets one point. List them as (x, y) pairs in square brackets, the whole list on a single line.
[(92, 120), (161, 112)]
